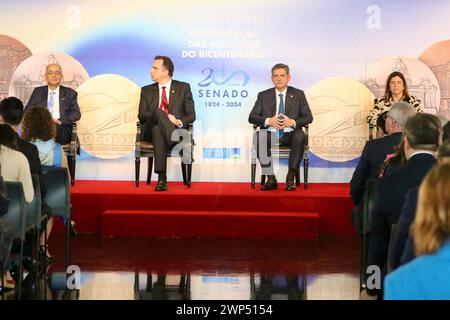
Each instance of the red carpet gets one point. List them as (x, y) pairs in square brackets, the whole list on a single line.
[(118, 208)]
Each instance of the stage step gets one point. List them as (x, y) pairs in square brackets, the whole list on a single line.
[(209, 224)]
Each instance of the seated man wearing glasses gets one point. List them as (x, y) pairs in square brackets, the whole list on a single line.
[(60, 101)]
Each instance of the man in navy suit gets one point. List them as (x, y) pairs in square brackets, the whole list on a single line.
[(421, 134), (374, 153), (282, 111), (61, 102), (404, 250), (165, 106)]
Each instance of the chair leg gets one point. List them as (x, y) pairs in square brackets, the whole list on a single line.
[(149, 170), (137, 165), (184, 172), (1, 267), (19, 292), (263, 179), (71, 162), (253, 175), (189, 174), (69, 243), (297, 178), (37, 271), (305, 173)]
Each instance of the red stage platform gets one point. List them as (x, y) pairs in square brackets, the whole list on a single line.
[(229, 210)]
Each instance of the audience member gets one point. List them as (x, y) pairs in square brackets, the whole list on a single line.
[(373, 154), (427, 277), (422, 135)]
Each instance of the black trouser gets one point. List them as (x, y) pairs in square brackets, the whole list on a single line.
[(7, 233), (63, 133), (294, 139), (159, 131)]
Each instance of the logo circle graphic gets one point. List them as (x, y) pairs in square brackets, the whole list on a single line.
[(340, 107), (109, 107), (13, 52), (437, 58), (420, 80), (31, 74)]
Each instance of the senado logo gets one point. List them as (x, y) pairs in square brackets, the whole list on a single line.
[(234, 79)]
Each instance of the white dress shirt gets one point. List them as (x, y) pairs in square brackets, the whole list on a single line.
[(266, 123)]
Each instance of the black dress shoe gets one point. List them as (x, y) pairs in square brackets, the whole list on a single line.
[(161, 185), (269, 186), (290, 186), (73, 231)]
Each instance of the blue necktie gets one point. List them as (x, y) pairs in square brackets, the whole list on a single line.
[(280, 111), (51, 102)]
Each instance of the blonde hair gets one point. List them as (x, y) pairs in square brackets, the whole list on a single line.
[(432, 223)]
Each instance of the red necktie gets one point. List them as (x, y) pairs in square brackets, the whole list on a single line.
[(164, 102)]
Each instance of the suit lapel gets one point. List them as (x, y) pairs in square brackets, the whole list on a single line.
[(172, 95), (273, 102), (62, 98), (45, 96), (288, 101)]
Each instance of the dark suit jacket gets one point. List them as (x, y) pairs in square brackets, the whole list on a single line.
[(405, 221), (181, 104), (390, 195), (69, 110), (373, 155), (409, 252), (296, 107)]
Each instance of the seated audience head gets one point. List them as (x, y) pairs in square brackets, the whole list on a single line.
[(446, 132), (11, 111), (8, 137), (422, 133), (381, 125), (398, 115), (444, 152), (432, 223), (38, 124)]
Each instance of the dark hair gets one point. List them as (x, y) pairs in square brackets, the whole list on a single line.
[(11, 110), (38, 124), (444, 150), (8, 137), (423, 131), (381, 122), (387, 90), (446, 132), (281, 66), (167, 63)]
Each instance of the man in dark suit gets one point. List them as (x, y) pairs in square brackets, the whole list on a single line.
[(374, 153), (404, 249), (421, 134), (165, 106), (281, 111), (61, 102)]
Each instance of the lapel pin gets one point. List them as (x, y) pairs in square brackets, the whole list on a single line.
[(292, 96), (173, 91)]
